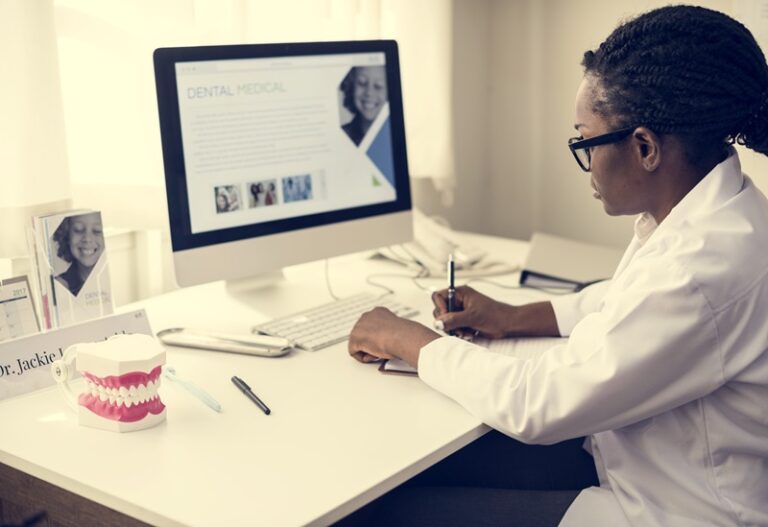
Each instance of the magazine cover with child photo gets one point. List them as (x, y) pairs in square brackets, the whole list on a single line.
[(74, 271)]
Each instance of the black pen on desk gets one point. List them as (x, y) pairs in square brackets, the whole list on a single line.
[(451, 287), (243, 387)]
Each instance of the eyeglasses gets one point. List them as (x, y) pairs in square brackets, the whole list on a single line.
[(582, 148)]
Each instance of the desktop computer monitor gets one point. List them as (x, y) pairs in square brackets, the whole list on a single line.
[(278, 154)]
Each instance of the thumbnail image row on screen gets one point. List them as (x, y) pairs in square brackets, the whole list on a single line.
[(264, 193)]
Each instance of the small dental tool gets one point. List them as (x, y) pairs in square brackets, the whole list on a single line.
[(170, 374)]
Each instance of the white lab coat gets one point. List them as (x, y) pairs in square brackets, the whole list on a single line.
[(665, 368)]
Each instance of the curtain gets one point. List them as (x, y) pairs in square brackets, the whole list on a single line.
[(105, 53), (32, 144)]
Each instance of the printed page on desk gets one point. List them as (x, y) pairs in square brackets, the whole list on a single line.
[(524, 348)]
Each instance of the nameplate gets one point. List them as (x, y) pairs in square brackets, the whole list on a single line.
[(25, 362)]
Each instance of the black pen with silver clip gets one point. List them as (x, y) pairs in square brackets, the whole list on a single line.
[(451, 287), (243, 387)]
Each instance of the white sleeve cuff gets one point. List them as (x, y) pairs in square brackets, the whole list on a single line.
[(428, 356), (567, 312), (570, 309), (434, 367)]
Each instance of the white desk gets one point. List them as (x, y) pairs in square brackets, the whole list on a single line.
[(340, 435)]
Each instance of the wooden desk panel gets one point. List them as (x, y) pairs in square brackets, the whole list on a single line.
[(22, 496)]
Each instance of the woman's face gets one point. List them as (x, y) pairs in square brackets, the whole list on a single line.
[(616, 180), (221, 201), (86, 239), (369, 91)]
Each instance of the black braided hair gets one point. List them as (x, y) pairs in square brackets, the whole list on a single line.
[(684, 70)]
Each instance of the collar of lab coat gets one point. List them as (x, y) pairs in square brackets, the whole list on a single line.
[(721, 184)]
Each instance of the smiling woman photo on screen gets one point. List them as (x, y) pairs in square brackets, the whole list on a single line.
[(364, 94)]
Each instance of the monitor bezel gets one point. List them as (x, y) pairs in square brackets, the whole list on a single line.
[(165, 60)]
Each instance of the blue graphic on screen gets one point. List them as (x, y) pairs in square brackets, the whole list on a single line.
[(380, 152)]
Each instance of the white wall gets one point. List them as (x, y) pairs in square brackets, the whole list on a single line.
[(515, 172), (470, 84)]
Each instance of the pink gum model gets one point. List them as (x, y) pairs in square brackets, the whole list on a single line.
[(122, 377), (127, 398)]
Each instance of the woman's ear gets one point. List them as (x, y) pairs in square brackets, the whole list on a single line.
[(647, 147)]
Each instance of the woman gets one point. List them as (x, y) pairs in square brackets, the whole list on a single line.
[(666, 366), (257, 195), (365, 92), (80, 242), (270, 197), (222, 201)]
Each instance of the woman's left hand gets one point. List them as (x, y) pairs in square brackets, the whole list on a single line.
[(380, 334)]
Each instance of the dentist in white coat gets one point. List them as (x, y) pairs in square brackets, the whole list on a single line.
[(665, 370)]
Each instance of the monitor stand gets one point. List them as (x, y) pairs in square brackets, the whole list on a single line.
[(273, 295), (243, 286)]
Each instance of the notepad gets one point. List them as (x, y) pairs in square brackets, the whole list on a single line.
[(397, 366)]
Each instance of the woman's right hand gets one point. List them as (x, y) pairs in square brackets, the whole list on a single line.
[(475, 315)]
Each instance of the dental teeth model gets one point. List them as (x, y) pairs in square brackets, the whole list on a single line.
[(122, 375)]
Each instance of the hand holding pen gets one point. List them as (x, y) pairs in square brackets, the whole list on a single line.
[(473, 314), (446, 301)]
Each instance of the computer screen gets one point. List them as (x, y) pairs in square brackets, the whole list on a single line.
[(279, 154)]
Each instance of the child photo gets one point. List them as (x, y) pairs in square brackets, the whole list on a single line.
[(227, 198), (79, 242)]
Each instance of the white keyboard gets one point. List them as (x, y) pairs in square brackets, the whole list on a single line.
[(330, 323)]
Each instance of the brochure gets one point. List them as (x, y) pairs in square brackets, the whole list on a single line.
[(72, 267), (17, 314)]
